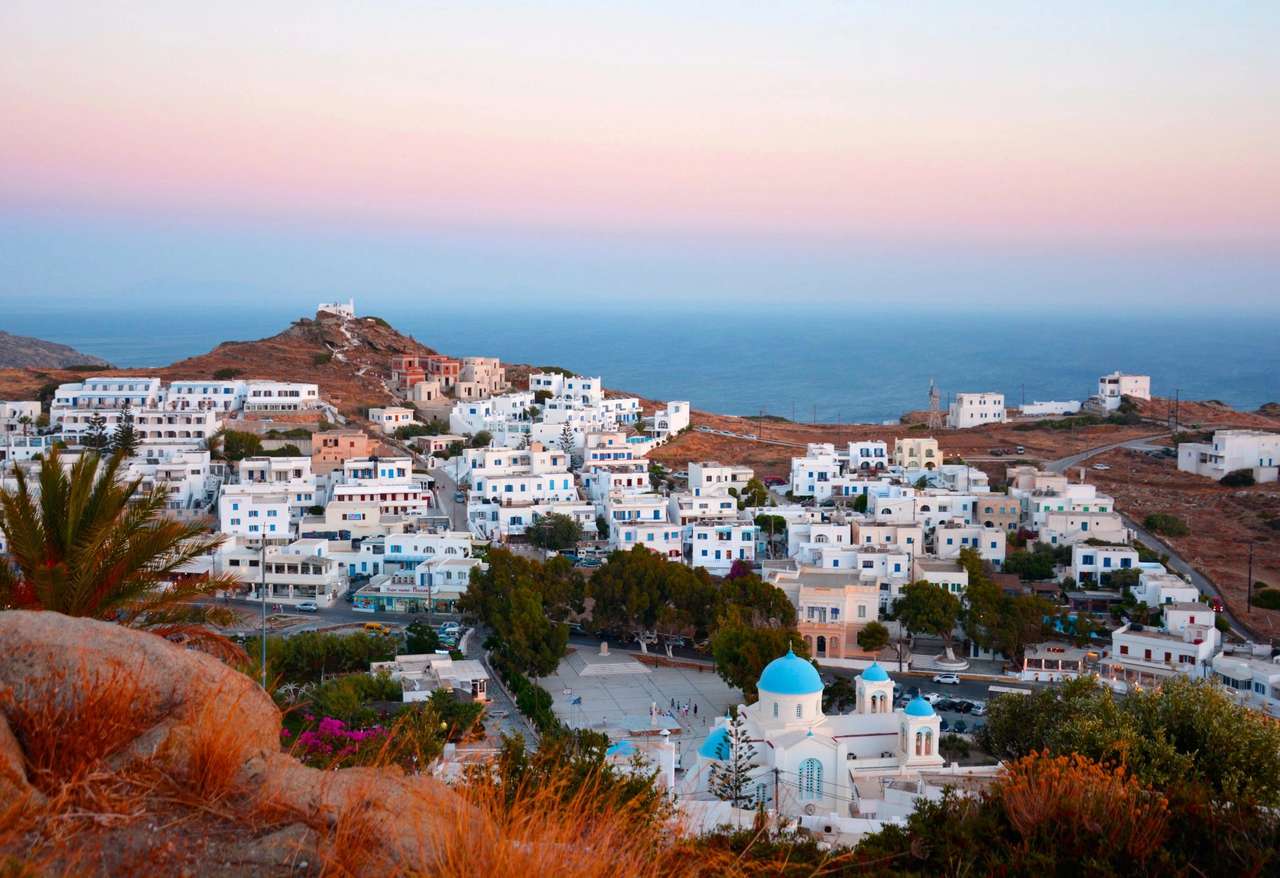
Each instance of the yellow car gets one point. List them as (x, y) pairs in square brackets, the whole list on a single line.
[(376, 628)]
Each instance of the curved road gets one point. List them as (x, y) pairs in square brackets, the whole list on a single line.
[(1145, 537)]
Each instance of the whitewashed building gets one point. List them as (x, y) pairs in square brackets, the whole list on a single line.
[(714, 547), (1254, 450), (975, 410), (280, 396), (1113, 388)]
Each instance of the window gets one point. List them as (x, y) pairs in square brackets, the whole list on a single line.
[(811, 779), (799, 711)]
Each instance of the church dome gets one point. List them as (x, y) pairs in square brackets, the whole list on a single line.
[(919, 707), (875, 674), (710, 748), (790, 675)]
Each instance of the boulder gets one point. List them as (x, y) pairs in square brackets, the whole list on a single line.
[(180, 695)]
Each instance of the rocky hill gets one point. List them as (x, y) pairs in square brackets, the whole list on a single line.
[(23, 351), (350, 358)]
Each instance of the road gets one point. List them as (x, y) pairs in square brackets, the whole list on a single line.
[(1145, 537)]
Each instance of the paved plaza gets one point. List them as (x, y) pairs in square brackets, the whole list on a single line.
[(618, 695)]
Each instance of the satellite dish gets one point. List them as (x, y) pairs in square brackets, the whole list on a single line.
[(810, 809)]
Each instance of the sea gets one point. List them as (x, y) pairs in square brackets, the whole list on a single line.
[(829, 364)]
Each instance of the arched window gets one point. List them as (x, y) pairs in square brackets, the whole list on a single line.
[(811, 779), (903, 739), (775, 710), (808, 641), (820, 538), (928, 742), (822, 645), (833, 647), (919, 743), (924, 507)]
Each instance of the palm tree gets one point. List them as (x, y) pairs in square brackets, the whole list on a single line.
[(83, 543)]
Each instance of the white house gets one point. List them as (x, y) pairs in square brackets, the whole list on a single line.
[(715, 547), (422, 675), (1097, 563), (105, 392), (219, 396), (1253, 680), (300, 571), (280, 396), (1144, 655), (390, 418), (253, 513), (811, 763), (951, 537), (686, 509), (975, 410), (813, 474), (657, 536), (388, 481), (1053, 407), (19, 416), (710, 477), (1254, 450), (1157, 587), (1113, 388)]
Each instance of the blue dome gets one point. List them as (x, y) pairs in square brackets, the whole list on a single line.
[(919, 707), (790, 675), (875, 674), (622, 748), (710, 748)]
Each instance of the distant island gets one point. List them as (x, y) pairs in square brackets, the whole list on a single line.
[(25, 352)]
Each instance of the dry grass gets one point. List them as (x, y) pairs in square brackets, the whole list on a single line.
[(217, 752), (68, 727)]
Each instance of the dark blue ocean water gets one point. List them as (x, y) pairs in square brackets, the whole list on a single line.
[(832, 362)]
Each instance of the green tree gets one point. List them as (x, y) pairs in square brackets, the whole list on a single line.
[(482, 439), (508, 597), (95, 437), (754, 494), (994, 620), (125, 440), (730, 774), (556, 531), (1037, 564), (860, 503), (925, 608), (233, 445), (873, 637), (566, 439), (83, 543), (741, 650), (421, 638)]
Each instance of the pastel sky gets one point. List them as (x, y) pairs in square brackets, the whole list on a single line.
[(1124, 152)]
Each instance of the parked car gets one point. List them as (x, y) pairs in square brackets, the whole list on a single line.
[(963, 706), (897, 691), (1101, 466), (960, 727), (931, 697), (979, 708), (945, 704), (1021, 450), (459, 497), (948, 679), (308, 607), (913, 691), (997, 452), (376, 628), (944, 725)]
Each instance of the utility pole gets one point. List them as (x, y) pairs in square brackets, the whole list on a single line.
[(262, 568), (1248, 585)]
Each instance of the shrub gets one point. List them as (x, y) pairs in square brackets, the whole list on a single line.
[(1164, 523), (1240, 478), (321, 359), (1268, 600), (226, 374)]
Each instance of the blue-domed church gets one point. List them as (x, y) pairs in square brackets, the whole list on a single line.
[(817, 757)]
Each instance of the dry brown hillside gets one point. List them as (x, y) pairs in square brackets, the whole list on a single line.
[(349, 359)]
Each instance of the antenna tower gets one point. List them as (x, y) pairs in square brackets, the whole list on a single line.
[(935, 407)]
